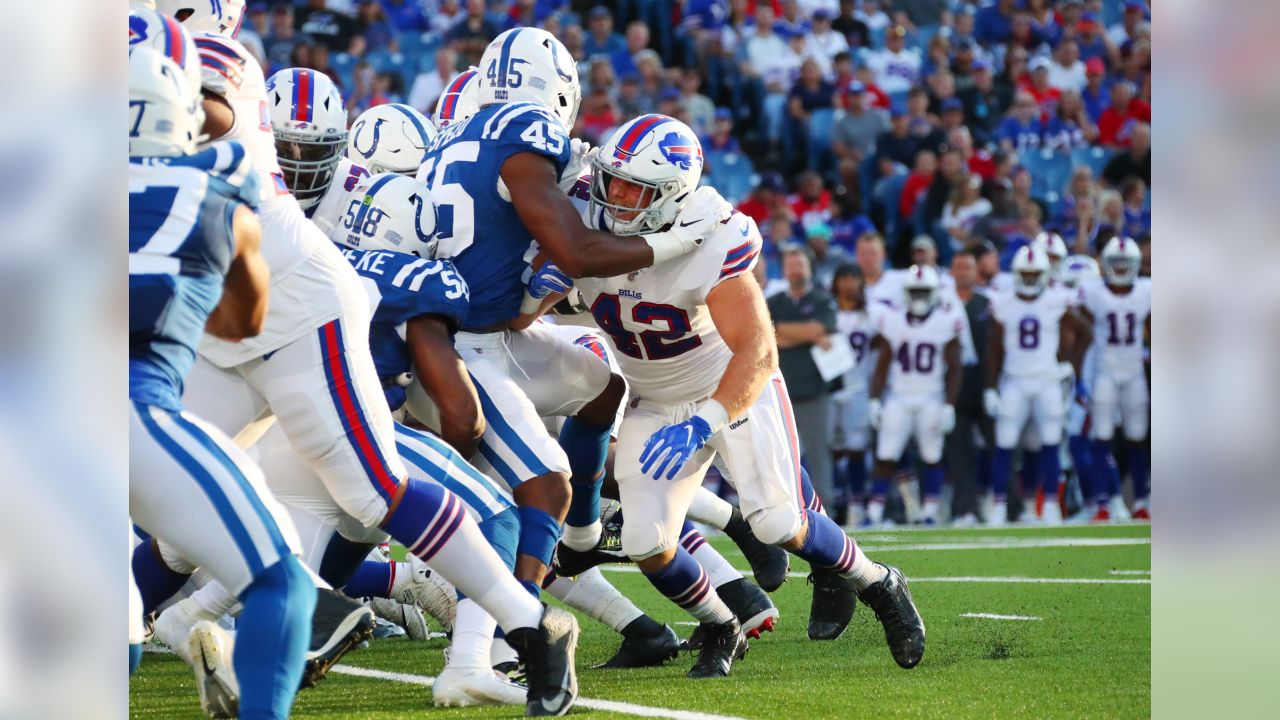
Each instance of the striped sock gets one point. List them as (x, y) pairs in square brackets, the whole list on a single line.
[(718, 569), (686, 584), (827, 546)]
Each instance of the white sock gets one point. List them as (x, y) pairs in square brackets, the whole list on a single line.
[(865, 573), (500, 652), (709, 509), (595, 596), (875, 511), (466, 560), (472, 636), (931, 506), (401, 575), (213, 601), (582, 539), (718, 569)]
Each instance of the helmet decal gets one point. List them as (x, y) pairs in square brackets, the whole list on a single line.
[(627, 146), (358, 130), (680, 150), (555, 60), (303, 94), (453, 92), (137, 29)]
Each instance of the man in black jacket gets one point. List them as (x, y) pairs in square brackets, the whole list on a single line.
[(961, 450)]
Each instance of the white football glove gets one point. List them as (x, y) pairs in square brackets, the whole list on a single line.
[(991, 401), (947, 418), (1066, 372), (580, 156), (874, 408), (700, 216)]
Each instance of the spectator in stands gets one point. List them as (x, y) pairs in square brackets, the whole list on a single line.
[(472, 34), (851, 26), (1116, 124), (977, 160), (320, 63), (951, 173), (1029, 226), (918, 182), (1014, 75), (961, 448), (924, 252), (937, 56), (1110, 219), (873, 16), (449, 14), (599, 115), (1044, 22), (1046, 97), (823, 43), (601, 75), (1135, 62), (765, 197), (1093, 42), (854, 135), (283, 37), (994, 23), (963, 66), (1024, 36), (1070, 127), (1135, 162), (962, 29), (253, 31), (372, 23), (1137, 216), (922, 126), (1076, 213), (405, 15), (804, 316), (601, 40), (630, 100), (428, 86), (870, 257), (652, 81), (789, 23), (1067, 71), (827, 257), (1135, 15), (849, 222), (984, 105), (942, 87), (637, 40), (1096, 93), (811, 93), (721, 139), (896, 68), (811, 205), (988, 264), (963, 211), (772, 61), (701, 110), (1021, 129), (326, 26), (896, 149)]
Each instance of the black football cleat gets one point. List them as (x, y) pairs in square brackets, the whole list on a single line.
[(755, 611), (569, 562), (833, 604), (718, 648), (769, 563), (338, 626), (547, 652), (903, 629), (645, 643)]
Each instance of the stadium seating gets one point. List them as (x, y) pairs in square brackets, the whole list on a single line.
[(1095, 157), (1049, 170)]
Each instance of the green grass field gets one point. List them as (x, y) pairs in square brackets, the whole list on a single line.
[(1087, 655)]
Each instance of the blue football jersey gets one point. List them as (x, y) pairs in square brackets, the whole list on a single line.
[(180, 247), (402, 287), (479, 228)]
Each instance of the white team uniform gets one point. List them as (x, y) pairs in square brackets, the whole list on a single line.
[(332, 208), (1030, 388), (888, 292), (915, 390), (1119, 378), (593, 340), (852, 430), (664, 341), (310, 366)]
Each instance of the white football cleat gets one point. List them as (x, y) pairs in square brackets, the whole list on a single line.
[(405, 615), (426, 589), (462, 687), (173, 627), (210, 647)]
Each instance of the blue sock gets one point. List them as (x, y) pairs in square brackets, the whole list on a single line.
[(539, 533), (686, 584), (342, 560), (371, 579), (1082, 458), (1105, 471), (1028, 474), (1050, 468), (135, 657), (587, 446), (811, 499), (826, 545), (1001, 470), (932, 478), (1140, 471), (880, 486), (273, 634), (855, 476), (502, 530), (156, 582), (427, 516)]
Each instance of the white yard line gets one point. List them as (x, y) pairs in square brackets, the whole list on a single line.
[(1009, 544), (1129, 572), (994, 616), (589, 703), (958, 578)]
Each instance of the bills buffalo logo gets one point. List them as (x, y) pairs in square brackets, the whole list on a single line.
[(137, 29), (680, 150)]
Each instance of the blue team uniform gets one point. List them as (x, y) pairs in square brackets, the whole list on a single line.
[(480, 228), (180, 247)]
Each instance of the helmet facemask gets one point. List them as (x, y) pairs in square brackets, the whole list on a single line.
[(308, 163), (1120, 269), (635, 205), (1030, 282), (920, 300)]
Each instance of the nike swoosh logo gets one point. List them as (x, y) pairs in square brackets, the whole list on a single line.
[(691, 222)]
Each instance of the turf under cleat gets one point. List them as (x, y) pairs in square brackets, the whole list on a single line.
[(718, 648), (464, 687), (210, 648), (405, 615), (548, 654), (426, 589), (338, 626), (891, 601), (752, 606), (645, 643), (769, 563), (833, 604)]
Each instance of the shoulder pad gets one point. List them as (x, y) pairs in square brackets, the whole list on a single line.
[(737, 244), (224, 63)]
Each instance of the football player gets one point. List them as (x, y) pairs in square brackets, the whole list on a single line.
[(1036, 343), (855, 320), (460, 99), (391, 138), (194, 266), (694, 341), (1119, 308), (919, 363)]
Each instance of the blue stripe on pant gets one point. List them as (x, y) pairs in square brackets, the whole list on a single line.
[(507, 438), (436, 461)]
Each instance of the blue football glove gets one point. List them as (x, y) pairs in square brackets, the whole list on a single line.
[(547, 280), (674, 445)]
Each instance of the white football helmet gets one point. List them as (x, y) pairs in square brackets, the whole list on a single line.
[(657, 153), (169, 37), (460, 100), (920, 289), (1079, 269), (165, 116), (393, 213), (1030, 270), (1121, 261), (223, 17), (1055, 247), (390, 138), (310, 125), (531, 65)]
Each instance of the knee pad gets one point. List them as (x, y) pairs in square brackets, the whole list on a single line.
[(503, 533), (775, 525), (539, 533), (641, 541)]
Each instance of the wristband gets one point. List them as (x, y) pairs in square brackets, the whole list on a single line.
[(714, 414), (529, 304), (665, 246)]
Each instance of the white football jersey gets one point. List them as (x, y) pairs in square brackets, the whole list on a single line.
[(657, 319), (858, 327), (917, 363), (888, 292), (1031, 330), (1119, 323), (332, 208)]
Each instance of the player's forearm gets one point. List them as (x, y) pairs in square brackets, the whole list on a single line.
[(745, 377)]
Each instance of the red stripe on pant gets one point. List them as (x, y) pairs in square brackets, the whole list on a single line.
[(784, 402), (353, 419)]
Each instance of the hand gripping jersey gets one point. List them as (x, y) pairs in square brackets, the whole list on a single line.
[(479, 227), (180, 246), (1119, 322), (1031, 330), (657, 319), (859, 327), (328, 213), (917, 362), (402, 287)]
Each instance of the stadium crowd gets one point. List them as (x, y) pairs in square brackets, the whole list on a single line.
[(945, 132)]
